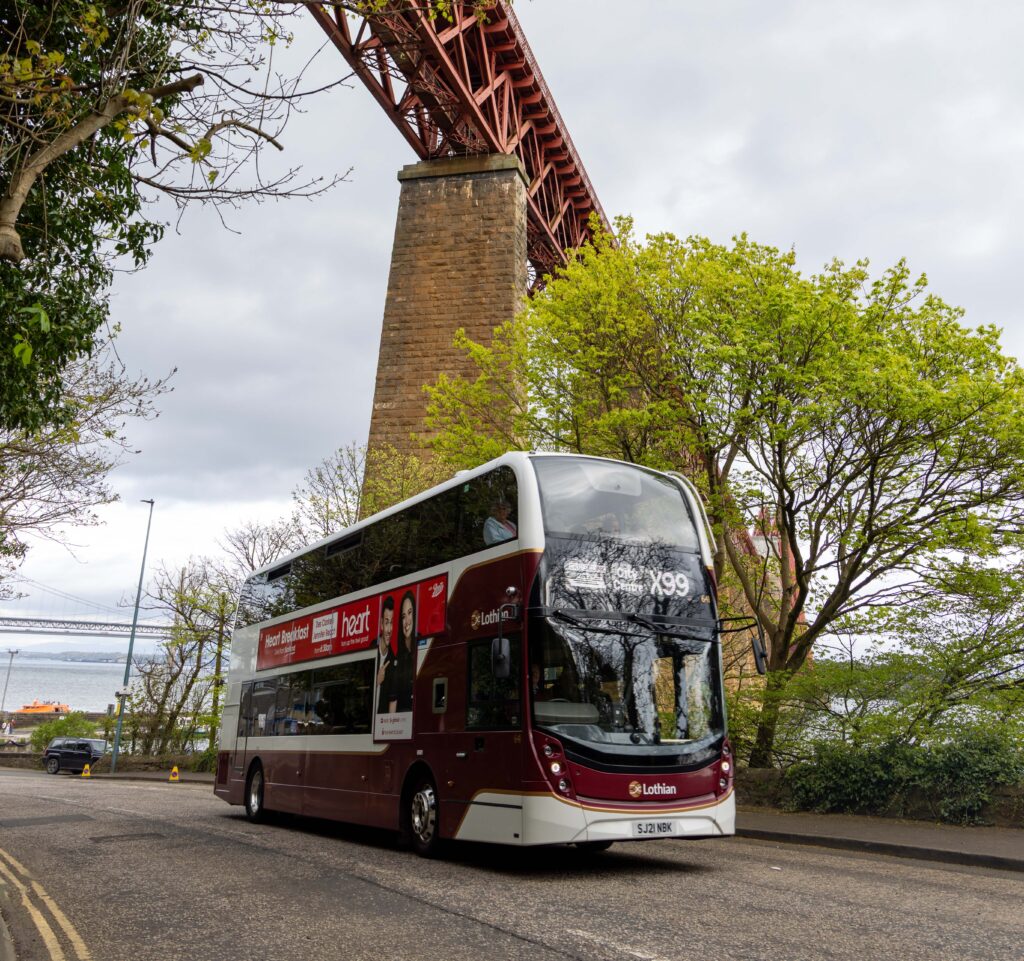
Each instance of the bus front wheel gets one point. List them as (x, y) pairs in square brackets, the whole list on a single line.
[(254, 809), (422, 818)]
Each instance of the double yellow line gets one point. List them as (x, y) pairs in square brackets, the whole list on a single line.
[(32, 891)]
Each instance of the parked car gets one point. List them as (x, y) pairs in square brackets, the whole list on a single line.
[(72, 753)]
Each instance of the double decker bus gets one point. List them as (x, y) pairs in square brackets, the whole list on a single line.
[(526, 654)]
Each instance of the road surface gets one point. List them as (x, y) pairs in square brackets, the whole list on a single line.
[(141, 870)]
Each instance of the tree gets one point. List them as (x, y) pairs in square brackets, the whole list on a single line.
[(177, 695), (74, 724), (56, 476), (330, 496), (354, 482), (854, 426), (952, 661), (98, 105), (254, 544)]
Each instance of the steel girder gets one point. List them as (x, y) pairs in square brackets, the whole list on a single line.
[(470, 85), (78, 628)]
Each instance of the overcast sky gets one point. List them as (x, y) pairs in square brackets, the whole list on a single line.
[(872, 129)]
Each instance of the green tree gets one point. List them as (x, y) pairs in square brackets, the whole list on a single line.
[(854, 426), (178, 695), (75, 724), (954, 660)]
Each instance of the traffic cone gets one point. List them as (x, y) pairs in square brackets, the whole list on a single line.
[(174, 779), (86, 772)]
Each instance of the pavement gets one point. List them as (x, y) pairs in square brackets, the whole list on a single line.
[(984, 847)]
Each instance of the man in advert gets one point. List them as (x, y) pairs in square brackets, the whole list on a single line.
[(386, 658)]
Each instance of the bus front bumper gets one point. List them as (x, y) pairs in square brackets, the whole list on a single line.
[(547, 819)]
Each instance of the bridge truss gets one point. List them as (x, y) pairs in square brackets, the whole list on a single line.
[(471, 85), (76, 628)]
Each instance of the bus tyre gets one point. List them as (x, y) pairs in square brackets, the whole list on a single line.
[(422, 819), (52, 765), (254, 809)]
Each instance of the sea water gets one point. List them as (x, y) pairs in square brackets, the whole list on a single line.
[(82, 685)]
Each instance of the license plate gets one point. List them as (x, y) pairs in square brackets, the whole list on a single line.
[(653, 829)]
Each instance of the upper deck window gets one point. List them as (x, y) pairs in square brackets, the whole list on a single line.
[(584, 497), (474, 515)]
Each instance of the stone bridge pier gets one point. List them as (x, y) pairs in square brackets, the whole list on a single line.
[(459, 260)]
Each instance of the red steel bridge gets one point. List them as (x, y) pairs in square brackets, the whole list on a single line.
[(471, 85)]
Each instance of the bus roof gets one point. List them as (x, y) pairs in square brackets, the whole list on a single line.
[(511, 458)]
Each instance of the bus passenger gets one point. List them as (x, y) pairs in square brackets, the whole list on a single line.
[(499, 527), (405, 662)]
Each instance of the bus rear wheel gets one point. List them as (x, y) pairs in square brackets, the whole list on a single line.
[(422, 819), (254, 809)]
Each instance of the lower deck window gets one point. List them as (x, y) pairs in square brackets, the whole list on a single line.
[(330, 700)]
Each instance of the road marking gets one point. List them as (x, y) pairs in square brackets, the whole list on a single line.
[(66, 926), (608, 943), (45, 931)]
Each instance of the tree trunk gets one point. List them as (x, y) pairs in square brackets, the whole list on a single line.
[(763, 751)]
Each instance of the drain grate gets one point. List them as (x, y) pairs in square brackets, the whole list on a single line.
[(115, 838), (47, 819)]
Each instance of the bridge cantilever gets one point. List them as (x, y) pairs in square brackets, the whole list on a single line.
[(471, 85)]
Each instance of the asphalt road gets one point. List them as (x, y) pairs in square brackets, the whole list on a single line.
[(141, 871)]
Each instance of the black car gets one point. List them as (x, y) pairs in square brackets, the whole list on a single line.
[(72, 753)]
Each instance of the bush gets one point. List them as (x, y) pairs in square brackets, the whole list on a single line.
[(955, 778), (207, 760), (844, 779), (75, 724)]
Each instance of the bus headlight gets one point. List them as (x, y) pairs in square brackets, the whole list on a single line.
[(556, 768)]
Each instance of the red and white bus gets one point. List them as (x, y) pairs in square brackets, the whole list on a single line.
[(526, 654)]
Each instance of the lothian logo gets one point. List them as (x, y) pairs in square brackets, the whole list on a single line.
[(638, 790), (489, 618)]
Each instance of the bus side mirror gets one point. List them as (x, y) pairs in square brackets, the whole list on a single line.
[(501, 660), (760, 654)]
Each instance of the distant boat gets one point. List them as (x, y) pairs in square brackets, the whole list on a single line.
[(43, 707)]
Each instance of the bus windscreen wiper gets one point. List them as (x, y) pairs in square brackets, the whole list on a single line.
[(581, 624), (668, 630)]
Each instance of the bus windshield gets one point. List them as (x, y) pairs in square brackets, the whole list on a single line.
[(585, 497), (626, 689)]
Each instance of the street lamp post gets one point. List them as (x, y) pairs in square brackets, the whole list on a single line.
[(123, 693), (3, 700)]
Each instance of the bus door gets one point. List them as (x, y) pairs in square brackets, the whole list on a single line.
[(485, 760), (238, 759)]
